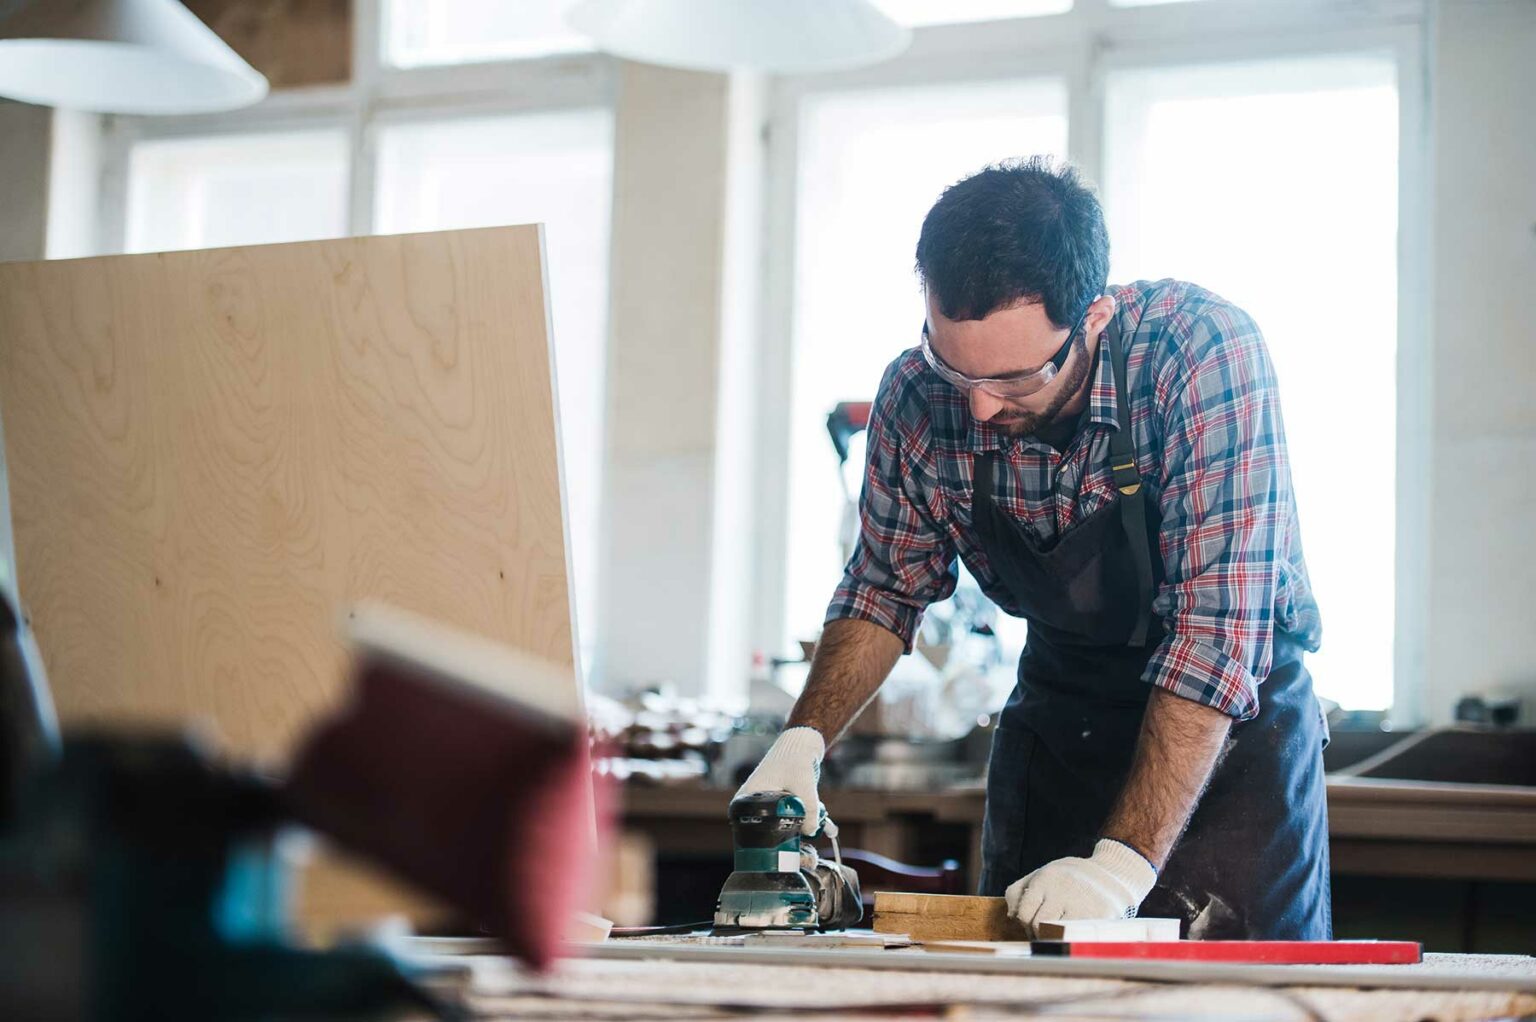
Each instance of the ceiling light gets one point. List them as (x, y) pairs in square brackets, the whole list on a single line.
[(121, 57)]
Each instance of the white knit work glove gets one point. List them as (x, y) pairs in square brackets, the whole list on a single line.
[(793, 764), (1110, 884)]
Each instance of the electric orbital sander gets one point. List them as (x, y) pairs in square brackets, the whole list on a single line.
[(779, 882)]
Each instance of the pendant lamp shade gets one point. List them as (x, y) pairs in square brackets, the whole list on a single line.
[(776, 36), (121, 57)]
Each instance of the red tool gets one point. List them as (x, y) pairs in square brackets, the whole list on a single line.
[(462, 767), (1254, 952)]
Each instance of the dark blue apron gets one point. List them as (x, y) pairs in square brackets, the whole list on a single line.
[(1253, 863)]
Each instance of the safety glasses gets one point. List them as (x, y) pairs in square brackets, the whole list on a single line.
[(1007, 388)]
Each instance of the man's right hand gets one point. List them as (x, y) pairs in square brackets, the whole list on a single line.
[(793, 764)]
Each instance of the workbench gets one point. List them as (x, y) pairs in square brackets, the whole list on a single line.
[(1461, 848), (656, 981), (1376, 828)]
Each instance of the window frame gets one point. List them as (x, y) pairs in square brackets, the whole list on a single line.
[(377, 95), (1082, 46)]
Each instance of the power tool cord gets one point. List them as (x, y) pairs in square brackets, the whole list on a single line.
[(660, 931)]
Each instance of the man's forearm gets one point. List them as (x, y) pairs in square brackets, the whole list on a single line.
[(852, 659), (1180, 745)]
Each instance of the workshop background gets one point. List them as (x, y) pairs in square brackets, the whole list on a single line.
[(730, 263)]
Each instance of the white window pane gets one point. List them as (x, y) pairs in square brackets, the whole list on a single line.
[(871, 164), (550, 168), (1275, 185), (944, 12), (236, 190), (419, 32)]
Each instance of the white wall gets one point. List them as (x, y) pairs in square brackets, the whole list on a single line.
[(1482, 537), (736, 521), (669, 610), (74, 191), (26, 135)]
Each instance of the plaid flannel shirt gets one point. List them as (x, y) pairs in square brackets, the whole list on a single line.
[(1211, 448)]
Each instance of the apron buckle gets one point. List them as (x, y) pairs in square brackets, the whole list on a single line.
[(1127, 479)]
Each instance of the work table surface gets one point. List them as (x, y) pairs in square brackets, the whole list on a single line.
[(655, 986)]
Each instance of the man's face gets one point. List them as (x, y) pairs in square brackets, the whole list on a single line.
[(1007, 342)]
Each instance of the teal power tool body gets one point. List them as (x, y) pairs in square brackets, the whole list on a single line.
[(780, 882)]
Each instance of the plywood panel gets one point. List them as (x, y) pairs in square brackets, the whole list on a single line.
[(214, 453)]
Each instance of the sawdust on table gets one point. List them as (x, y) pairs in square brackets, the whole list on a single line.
[(615, 989)]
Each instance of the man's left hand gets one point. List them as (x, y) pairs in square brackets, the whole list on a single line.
[(1110, 884)]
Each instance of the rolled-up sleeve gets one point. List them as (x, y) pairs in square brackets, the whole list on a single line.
[(1226, 495), (903, 559)]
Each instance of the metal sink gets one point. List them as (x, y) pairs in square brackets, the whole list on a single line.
[(1454, 755), (1346, 747)]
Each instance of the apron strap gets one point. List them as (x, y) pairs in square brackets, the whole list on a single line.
[(1133, 497), (983, 471), (981, 487)]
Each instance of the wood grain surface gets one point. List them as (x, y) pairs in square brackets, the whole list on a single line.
[(925, 917), (213, 454), (292, 42)]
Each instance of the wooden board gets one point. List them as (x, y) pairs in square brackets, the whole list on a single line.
[(927, 917), (213, 454), (292, 42)]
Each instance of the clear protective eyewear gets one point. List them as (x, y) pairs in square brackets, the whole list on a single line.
[(1013, 386)]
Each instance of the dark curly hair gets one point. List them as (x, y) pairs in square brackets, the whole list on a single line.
[(1021, 230)]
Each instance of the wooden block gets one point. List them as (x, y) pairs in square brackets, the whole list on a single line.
[(1148, 929), (927, 917)]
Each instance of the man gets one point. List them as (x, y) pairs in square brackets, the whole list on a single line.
[(1110, 464)]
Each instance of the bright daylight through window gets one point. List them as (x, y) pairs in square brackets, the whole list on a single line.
[(422, 32), (1288, 207), (236, 190)]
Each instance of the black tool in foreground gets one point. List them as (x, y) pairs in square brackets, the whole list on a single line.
[(141, 875)]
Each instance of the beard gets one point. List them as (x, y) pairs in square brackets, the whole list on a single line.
[(1018, 422)]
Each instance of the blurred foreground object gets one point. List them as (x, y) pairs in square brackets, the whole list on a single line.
[(460, 765), (141, 877), (121, 57)]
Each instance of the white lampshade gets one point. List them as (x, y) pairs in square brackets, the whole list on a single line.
[(777, 36), (121, 57)]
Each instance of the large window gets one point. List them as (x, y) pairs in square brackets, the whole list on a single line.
[(871, 163), (1275, 184), (552, 168), (236, 190)]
